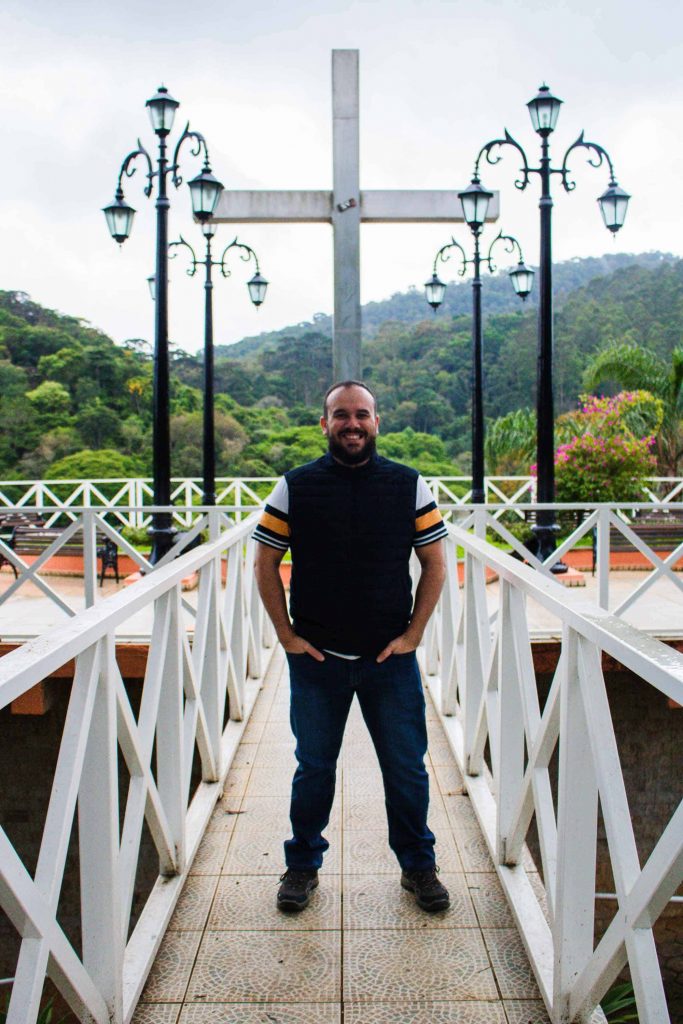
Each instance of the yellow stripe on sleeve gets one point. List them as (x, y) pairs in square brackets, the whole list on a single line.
[(274, 524), (427, 520)]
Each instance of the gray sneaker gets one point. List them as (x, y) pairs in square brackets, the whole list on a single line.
[(430, 894), (295, 890)]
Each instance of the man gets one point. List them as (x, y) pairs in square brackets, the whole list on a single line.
[(352, 520)]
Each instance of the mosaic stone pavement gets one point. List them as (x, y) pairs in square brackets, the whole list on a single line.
[(363, 952)]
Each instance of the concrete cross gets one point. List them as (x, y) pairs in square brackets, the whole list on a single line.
[(345, 208)]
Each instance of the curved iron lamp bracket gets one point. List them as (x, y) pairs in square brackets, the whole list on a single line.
[(443, 255), (511, 245), (192, 270), (246, 254), (601, 155), (199, 144), (128, 168), (493, 157)]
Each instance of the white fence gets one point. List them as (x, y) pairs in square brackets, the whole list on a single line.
[(480, 669), (195, 664), (511, 490), (600, 521), (87, 525), (130, 501), (130, 498), (597, 523)]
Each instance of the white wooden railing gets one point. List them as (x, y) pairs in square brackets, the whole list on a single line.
[(601, 518), (87, 524), (479, 666), (597, 519), (194, 665), (129, 499)]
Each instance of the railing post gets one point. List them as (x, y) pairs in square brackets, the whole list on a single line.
[(450, 621), (207, 660), (170, 750), (89, 558), (98, 831), (255, 612), (477, 643), (602, 556), (431, 646), (135, 500), (234, 619), (577, 816), (214, 520), (480, 514), (509, 770)]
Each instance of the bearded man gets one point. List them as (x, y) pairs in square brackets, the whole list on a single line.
[(352, 520)]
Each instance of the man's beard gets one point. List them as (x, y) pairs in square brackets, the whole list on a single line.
[(339, 452)]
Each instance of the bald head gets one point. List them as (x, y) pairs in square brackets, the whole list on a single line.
[(347, 384)]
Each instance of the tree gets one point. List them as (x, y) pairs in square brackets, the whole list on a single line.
[(52, 404), (424, 452), (511, 443), (634, 367), (187, 442), (52, 446), (98, 424), (89, 465)]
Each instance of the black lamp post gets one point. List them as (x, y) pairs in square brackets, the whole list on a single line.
[(521, 276), (544, 110), (204, 191), (257, 286)]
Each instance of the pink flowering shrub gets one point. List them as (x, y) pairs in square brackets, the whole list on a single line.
[(605, 450), (609, 468)]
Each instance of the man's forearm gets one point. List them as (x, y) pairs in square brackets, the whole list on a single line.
[(426, 598), (273, 596)]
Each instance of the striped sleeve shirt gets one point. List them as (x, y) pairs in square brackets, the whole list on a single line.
[(273, 528)]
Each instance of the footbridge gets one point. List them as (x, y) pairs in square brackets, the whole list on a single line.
[(148, 894)]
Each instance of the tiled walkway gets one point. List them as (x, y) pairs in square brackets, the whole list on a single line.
[(362, 953)]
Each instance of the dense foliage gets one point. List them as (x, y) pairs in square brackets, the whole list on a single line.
[(610, 454), (74, 403), (421, 371)]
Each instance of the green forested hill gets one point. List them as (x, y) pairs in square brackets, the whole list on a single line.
[(421, 371), (410, 307), (66, 387)]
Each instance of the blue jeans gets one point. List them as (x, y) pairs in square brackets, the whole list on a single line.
[(393, 706)]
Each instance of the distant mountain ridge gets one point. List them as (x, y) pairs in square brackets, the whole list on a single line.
[(410, 307)]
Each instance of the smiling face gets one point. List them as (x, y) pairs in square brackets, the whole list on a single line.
[(351, 425)]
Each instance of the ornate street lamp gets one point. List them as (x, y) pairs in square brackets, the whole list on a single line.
[(204, 190), (257, 292), (544, 110), (522, 280)]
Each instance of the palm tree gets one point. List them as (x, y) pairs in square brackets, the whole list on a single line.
[(633, 368), (511, 443)]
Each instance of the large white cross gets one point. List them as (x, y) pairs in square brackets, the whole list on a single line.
[(345, 207)]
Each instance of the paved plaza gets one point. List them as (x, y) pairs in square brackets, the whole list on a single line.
[(362, 953)]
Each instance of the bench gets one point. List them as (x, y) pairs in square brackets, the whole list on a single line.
[(661, 531), (19, 517), (8, 522), (33, 540)]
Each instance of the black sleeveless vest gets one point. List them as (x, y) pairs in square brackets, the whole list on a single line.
[(352, 533)]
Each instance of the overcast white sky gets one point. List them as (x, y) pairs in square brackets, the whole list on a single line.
[(437, 80)]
